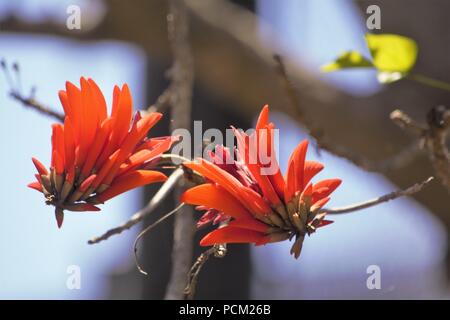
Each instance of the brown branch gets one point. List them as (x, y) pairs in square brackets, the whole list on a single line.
[(433, 138), (406, 123), (15, 91), (219, 251), (394, 162), (182, 76), (33, 104), (157, 199), (388, 197)]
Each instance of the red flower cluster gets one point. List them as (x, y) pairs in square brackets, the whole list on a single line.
[(259, 205), (96, 157)]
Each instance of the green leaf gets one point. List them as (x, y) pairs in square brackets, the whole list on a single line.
[(392, 53), (348, 59)]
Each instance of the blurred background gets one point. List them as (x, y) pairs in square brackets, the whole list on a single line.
[(233, 43)]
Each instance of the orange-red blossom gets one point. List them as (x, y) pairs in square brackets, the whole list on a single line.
[(96, 157), (260, 208)]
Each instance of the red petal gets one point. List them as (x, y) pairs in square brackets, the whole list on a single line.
[(124, 114), (97, 147), (115, 105), (145, 155), (276, 179), (307, 191), (87, 183), (58, 144), (59, 215), (232, 235), (36, 186), (311, 169), (39, 167), (100, 100), (138, 132), (256, 151), (250, 199), (215, 197), (58, 162), (324, 223), (250, 224), (299, 164), (89, 121), (319, 204), (252, 150), (74, 99), (296, 167), (130, 181), (149, 144), (69, 144), (263, 118), (324, 188), (289, 190), (104, 170), (65, 103)]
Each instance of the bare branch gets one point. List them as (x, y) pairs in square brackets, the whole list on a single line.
[(289, 88), (182, 76), (33, 104), (405, 122), (392, 163), (388, 197), (219, 251), (15, 91), (162, 193)]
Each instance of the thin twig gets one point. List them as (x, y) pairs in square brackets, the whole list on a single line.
[(289, 87), (33, 104), (182, 76), (157, 199), (146, 230), (219, 251), (388, 197), (407, 123), (15, 92)]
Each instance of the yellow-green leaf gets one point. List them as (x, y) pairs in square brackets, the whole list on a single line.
[(392, 53), (348, 59)]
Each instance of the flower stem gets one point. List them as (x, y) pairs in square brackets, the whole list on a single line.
[(438, 84)]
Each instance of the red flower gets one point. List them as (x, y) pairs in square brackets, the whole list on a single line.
[(96, 157), (261, 205)]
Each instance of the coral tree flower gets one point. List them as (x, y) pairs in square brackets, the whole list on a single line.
[(259, 205), (96, 157)]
